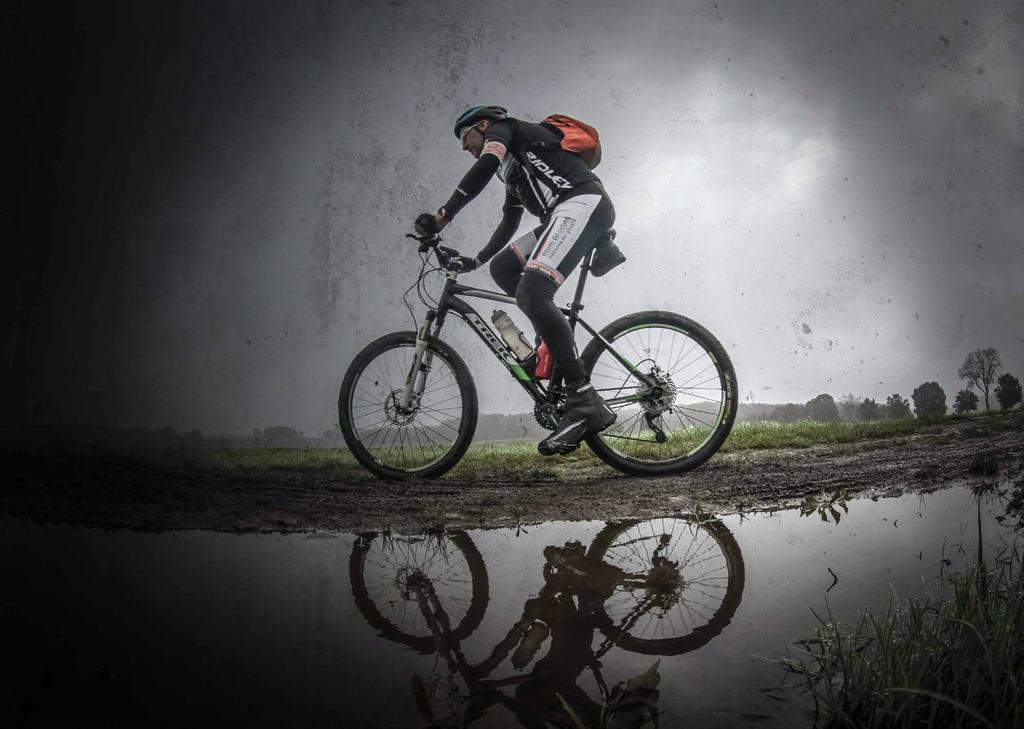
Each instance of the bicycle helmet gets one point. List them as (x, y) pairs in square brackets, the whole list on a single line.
[(471, 116)]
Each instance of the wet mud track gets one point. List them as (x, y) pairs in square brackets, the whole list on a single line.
[(125, 491)]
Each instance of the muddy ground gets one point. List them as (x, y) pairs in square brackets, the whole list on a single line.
[(122, 490)]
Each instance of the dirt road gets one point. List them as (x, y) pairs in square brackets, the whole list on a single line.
[(122, 491)]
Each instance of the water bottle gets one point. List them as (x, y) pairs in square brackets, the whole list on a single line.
[(545, 362), (513, 336)]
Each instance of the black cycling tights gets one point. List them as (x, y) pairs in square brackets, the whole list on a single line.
[(535, 294), (535, 289), (507, 270)]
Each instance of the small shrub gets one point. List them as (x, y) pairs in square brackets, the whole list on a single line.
[(983, 464)]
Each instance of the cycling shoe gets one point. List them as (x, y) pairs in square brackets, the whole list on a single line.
[(585, 413)]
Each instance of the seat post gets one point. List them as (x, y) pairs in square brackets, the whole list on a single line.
[(575, 307)]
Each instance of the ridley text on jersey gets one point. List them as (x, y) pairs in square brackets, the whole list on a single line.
[(545, 169)]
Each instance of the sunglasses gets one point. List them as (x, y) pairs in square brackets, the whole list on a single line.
[(465, 132)]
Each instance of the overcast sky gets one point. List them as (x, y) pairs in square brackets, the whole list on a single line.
[(216, 194)]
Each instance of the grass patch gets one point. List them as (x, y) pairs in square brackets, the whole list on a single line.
[(807, 433), (249, 461), (956, 661), (518, 460)]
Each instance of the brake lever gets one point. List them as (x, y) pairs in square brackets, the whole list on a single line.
[(445, 255), (426, 241)]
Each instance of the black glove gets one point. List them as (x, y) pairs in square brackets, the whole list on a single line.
[(426, 224), (457, 263)]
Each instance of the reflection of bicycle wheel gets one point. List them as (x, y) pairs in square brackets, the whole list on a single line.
[(383, 570), (683, 583)]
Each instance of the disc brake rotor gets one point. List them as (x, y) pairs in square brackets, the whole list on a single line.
[(393, 409)]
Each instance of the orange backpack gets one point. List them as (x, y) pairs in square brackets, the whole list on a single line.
[(577, 137)]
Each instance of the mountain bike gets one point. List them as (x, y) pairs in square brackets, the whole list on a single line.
[(408, 404)]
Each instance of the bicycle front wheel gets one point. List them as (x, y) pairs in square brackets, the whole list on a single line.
[(428, 438), (682, 420), (386, 571)]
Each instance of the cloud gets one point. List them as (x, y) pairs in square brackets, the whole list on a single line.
[(807, 168), (981, 79)]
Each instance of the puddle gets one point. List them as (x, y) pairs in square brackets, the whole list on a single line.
[(371, 630)]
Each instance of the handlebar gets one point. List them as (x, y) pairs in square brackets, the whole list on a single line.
[(428, 242)]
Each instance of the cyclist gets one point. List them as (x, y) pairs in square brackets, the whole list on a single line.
[(575, 213)]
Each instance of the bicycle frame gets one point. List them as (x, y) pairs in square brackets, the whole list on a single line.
[(450, 301)]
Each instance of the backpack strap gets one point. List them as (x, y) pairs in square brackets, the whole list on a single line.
[(549, 145)]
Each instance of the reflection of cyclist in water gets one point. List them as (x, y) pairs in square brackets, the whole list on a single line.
[(657, 587), (566, 609)]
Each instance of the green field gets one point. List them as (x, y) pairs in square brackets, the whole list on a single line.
[(519, 460)]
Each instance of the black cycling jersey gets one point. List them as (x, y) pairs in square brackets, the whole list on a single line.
[(548, 170), (518, 188), (538, 175)]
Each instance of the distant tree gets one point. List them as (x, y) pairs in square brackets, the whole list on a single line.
[(868, 410), (823, 409), (332, 434), (279, 433), (929, 400), (965, 402), (980, 369), (162, 437), (1008, 391), (847, 407), (788, 413), (899, 407)]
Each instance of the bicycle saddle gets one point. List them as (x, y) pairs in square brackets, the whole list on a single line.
[(606, 254)]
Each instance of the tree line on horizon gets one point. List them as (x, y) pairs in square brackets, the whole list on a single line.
[(981, 370)]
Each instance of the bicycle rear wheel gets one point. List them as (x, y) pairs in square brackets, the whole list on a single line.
[(683, 421), (685, 579), (429, 438)]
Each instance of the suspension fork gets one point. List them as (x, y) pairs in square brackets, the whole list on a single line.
[(423, 358)]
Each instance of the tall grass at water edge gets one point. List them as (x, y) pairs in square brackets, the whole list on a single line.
[(954, 660)]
